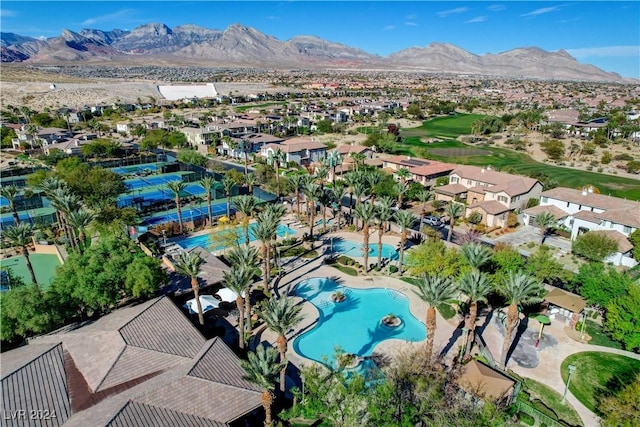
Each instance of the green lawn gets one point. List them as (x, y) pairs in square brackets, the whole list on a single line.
[(552, 400), (599, 337), (243, 108), (594, 371), (449, 127)]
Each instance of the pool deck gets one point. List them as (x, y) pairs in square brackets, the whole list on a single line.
[(317, 268)]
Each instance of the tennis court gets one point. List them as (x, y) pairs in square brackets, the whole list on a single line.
[(137, 169), (151, 181), (33, 216), (189, 214), (44, 267)]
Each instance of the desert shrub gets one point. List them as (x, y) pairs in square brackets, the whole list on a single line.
[(393, 269)]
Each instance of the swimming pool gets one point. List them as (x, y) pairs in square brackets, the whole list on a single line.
[(353, 325), (354, 249), (213, 243)]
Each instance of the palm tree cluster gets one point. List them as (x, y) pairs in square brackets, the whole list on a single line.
[(518, 288)]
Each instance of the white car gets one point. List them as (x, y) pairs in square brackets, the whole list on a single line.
[(432, 221)]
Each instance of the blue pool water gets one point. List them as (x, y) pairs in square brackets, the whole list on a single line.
[(205, 240), (353, 325), (354, 249)]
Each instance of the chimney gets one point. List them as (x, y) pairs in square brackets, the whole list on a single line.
[(590, 189), (489, 167), (584, 191), (482, 170)]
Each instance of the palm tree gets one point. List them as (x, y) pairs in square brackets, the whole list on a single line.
[(476, 285), (547, 222), (454, 210), (79, 220), (176, 188), (281, 315), (262, 368), (245, 148), (518, 288), (188, 264), (228, 184), (208, 183), (333, 160), (246, 205), (372, 178), (476, 254), (250, 181), (244, 256), (66, 202), (311, 192), (366, 212), (275, 159), (263, 231), (404, 220), (360, 190), (295, 181), (325, 200), (21, 235), (434, 290), (10, 192), (423, 197), (404, 174), (384, 214), (238, 280), (339, 192)]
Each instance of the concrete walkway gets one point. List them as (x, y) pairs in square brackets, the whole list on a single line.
[(547, 359)]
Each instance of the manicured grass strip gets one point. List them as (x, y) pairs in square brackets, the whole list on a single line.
[(594, 373), (552, 399), (346, 270), (444, 127), (599, 336), (244, 108)]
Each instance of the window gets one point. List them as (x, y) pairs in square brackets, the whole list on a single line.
[(469, 182), (627, 229), (544, 199), (454, 179), (502, 199), (568, 204)]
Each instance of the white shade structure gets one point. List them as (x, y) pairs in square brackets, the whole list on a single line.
[(208, 302), (227, 295)]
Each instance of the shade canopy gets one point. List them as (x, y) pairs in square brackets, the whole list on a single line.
[(227, 295), (208, 302), (566, 300)]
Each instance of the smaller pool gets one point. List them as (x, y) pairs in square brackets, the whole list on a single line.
[(354, 249), (213, 241)]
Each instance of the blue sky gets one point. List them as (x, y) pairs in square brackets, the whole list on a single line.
[(605, 34)]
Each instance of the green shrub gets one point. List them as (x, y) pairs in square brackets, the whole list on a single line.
[(526, 419), (393, 269)]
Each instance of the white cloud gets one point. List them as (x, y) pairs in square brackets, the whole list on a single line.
[(272, 18), (388, 27), (476, 19), (605, 51), (496, 7), (445, 13), (542, 11), (6, 13), (116, 16), (410, 24)]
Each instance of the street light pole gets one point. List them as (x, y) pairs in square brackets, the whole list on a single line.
[(572, 369)]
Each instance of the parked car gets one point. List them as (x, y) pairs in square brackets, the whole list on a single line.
[(433, 221)]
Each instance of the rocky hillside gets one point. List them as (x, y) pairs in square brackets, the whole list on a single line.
[(239, 45)]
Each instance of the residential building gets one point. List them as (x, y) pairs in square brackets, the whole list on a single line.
[(254, 141), (302, 151), (142, 365), (584, 210), (491, 193), (422, 171)]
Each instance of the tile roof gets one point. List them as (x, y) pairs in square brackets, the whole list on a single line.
[(135, 414), (345, 149), (624, 245), (38, 384), (451, 189), (585, 198), (478, 377), (557, 213), (511, 184), (587, 216), (492, 207), (298, 144), (626, 216)]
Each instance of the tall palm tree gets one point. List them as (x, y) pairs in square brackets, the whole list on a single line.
[(372, 178), (423, 197), (176, 188), (228, 184), (334, 159), (518, 288), (67, 202), (404, 220), (325, 200), (404, 175), (11, 192), (250, 181), (321, 175), (263, 231), (547, 222), (246, 205), (238, 280), (79, 220), (360, 190), (244, 256), (281, 315), (434, 290), (262, 369), (339, 193), (21, 235), (275, 159), (188, 264), (245, 148), (275, 212), (366, 212), (454, 210), (476, 285), (208, 183), (384, 214), (295, 181), (476, 254), (311, 192)]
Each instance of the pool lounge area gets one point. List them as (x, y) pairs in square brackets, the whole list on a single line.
[(354, 325)]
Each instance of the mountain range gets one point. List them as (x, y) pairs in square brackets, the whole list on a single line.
[(241, 46)]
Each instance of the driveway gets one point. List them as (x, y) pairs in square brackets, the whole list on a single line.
[(528, 233)]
